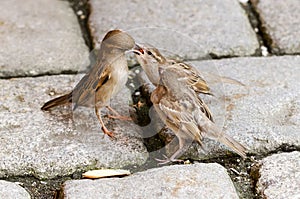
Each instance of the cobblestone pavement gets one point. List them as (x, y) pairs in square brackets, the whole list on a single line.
[(45, 47)]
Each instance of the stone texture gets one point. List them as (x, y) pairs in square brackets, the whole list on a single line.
[(11, 190), (39, 37), (179, 181), (280, 176), (280, 19), (264, 114), (58, 143), (175, 24)]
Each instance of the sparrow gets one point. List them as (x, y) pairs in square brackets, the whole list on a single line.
[(181, 109), (104, 80), (151, 59)]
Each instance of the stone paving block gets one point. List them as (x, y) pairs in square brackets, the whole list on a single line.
[(280, 176), (58, 143), (280, 19), (178, 181), (192, 29), (39, 37), (264, 114), (10, 190)]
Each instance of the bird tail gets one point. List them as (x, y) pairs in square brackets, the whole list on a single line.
[(65, 99), (233, 144)]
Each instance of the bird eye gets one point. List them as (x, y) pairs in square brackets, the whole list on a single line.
[(149, 52)]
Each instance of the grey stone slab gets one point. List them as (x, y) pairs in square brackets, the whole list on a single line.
[(179, 181), (59, 142), (11, 190), (192, 29), (280, 176), (280, 19), (262, 115), (40, 37)]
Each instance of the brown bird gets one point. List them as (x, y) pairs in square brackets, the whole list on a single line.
[(151, 59), (181, 109), (104, 80)]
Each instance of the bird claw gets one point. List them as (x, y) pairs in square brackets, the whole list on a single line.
[(167, 160), (109, 133)]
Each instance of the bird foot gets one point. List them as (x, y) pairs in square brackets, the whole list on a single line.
[(167, 160), (120, 117), (109, 133)]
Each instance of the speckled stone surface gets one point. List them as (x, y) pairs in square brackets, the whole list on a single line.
[(11, 190), (280, 176), (59, 142), (280, 19), (180, 181), (39, 37), (191, 29)]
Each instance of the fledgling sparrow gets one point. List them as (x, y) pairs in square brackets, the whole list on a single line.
[(151, 59), (180, 108), (104, 80)]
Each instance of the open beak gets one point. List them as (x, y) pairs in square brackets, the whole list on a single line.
[(137, 50)]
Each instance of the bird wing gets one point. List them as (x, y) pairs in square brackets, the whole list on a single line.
[(194, 78), (204, 108), (84, 92), (175, 113)]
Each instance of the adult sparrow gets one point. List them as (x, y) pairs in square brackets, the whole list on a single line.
[(104, 80), (180, 108)]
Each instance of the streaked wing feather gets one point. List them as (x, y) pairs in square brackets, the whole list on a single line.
[(84, 91)]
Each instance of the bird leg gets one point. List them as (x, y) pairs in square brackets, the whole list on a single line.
[(104, 129), (178, 153), (117, 115)]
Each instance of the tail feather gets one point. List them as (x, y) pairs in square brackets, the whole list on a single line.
[(65, 99), (233, 144)]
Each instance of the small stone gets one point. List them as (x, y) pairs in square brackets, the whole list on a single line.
[(79, 12), (264, 51)]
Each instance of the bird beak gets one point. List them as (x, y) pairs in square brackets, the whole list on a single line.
[(137, 50)]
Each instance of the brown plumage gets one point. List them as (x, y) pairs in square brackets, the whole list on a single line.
[(104, 80), (151, 59), (182, 111)]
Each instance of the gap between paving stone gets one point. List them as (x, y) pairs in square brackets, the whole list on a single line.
[(256, 26), (280, 31), (82, 11), (255, 19)]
